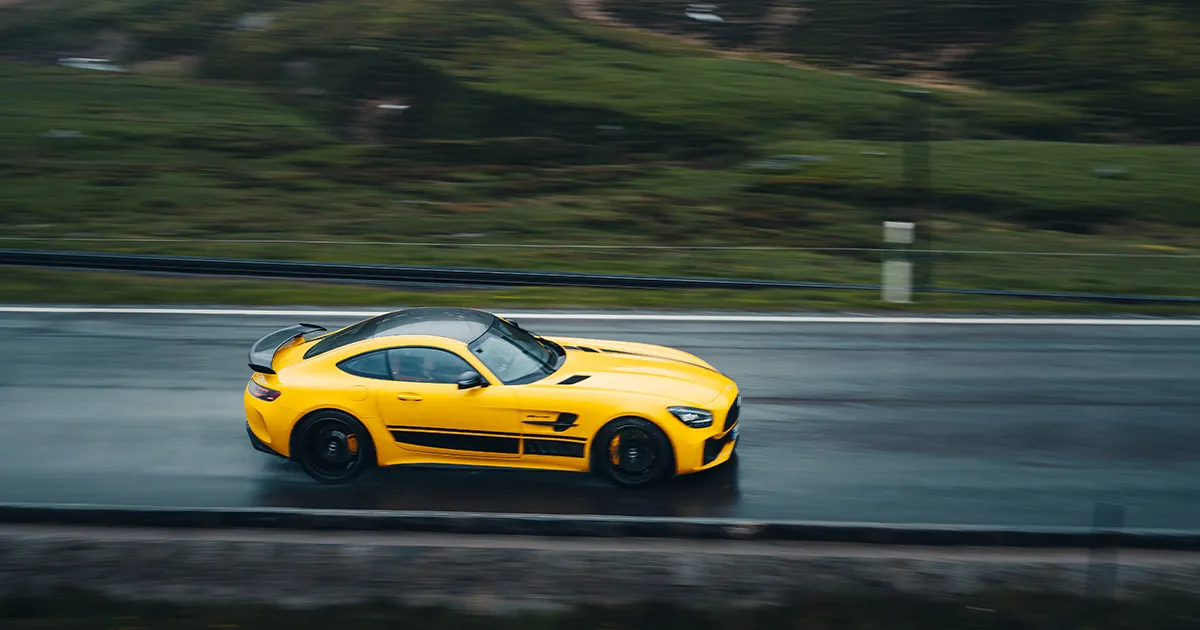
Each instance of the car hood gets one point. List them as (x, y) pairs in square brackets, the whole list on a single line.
[(643, 368)]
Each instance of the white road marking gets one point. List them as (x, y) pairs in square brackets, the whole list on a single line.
[(634, 317)]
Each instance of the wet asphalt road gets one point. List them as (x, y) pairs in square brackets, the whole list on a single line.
[(996, 425)]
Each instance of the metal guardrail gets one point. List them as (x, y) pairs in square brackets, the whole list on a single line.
[(394, 274), (384, 273)]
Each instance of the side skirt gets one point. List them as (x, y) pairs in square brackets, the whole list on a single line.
[(490, 442)]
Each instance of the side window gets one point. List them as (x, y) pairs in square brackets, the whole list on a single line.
[(369, 365), (426, 365)]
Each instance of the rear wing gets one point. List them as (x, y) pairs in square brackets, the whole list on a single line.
[(262, 353)]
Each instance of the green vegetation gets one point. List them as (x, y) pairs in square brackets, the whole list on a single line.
[(1128, 60), (529, 127), (998, 611), (32, 286), (1125, 67)]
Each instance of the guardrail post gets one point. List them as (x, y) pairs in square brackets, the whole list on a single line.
[(1107, 519), (897, 268)]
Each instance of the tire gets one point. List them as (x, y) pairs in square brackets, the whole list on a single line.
[(642, 453), (332, 447)]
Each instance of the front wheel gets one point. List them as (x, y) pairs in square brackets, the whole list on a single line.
[(632, 452), (332, 447)]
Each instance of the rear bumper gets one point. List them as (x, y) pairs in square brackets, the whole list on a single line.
[(258, 444)]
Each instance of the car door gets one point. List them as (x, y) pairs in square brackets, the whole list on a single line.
[(425, 411)]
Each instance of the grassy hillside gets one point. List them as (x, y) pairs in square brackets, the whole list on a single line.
[(503, 68), (1126, 66), (527, 126)]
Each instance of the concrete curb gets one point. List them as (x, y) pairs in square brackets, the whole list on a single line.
[(596, 527)]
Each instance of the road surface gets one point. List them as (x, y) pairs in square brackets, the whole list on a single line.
[(930, 423)]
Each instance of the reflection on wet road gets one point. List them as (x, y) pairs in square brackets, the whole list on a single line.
[(1007, 425)]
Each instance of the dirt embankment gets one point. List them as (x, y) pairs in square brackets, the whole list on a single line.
[(784, 14)]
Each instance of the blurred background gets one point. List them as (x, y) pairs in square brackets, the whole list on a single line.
[(1038, 145)]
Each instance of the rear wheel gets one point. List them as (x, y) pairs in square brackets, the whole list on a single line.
[(332, 447), (632, 452)]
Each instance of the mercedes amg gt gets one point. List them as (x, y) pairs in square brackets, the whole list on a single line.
[(465, 387)]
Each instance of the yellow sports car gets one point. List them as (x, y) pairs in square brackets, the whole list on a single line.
[(465, 387)]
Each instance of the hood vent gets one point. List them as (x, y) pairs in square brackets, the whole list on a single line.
[(571, 380)]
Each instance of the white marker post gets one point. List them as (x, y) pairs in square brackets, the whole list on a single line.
[(897, 268), (703, 12)]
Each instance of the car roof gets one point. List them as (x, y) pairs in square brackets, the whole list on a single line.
[(460, 324)]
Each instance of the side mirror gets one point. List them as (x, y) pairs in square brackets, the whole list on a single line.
[(469, 380)]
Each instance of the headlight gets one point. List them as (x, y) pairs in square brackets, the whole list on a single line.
[(693, 417)]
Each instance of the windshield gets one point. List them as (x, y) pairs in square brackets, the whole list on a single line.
[(515, 356)]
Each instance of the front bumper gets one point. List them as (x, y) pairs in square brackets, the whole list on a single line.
[(259, 445), (720, 447), (716, 445)]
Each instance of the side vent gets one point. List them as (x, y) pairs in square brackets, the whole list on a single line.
[(560, 423), (565, 421), (575, 378), (615, 351), (588, 349)]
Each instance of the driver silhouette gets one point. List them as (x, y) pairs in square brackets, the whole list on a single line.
[(415, 369)]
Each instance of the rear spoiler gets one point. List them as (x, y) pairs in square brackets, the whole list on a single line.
[(262, 353)]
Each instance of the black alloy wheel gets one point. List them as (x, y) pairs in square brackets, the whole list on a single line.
[(333, 447), (632, 452)]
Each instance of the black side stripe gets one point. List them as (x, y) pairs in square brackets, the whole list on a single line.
[(460, 442), (481, 441), (554, 448), (556, 438), (441, 430), (394, 429)]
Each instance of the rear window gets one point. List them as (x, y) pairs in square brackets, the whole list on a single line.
[(369, 365), (346, 336)]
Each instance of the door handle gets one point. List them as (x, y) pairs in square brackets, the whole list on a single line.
[(409, 397)]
